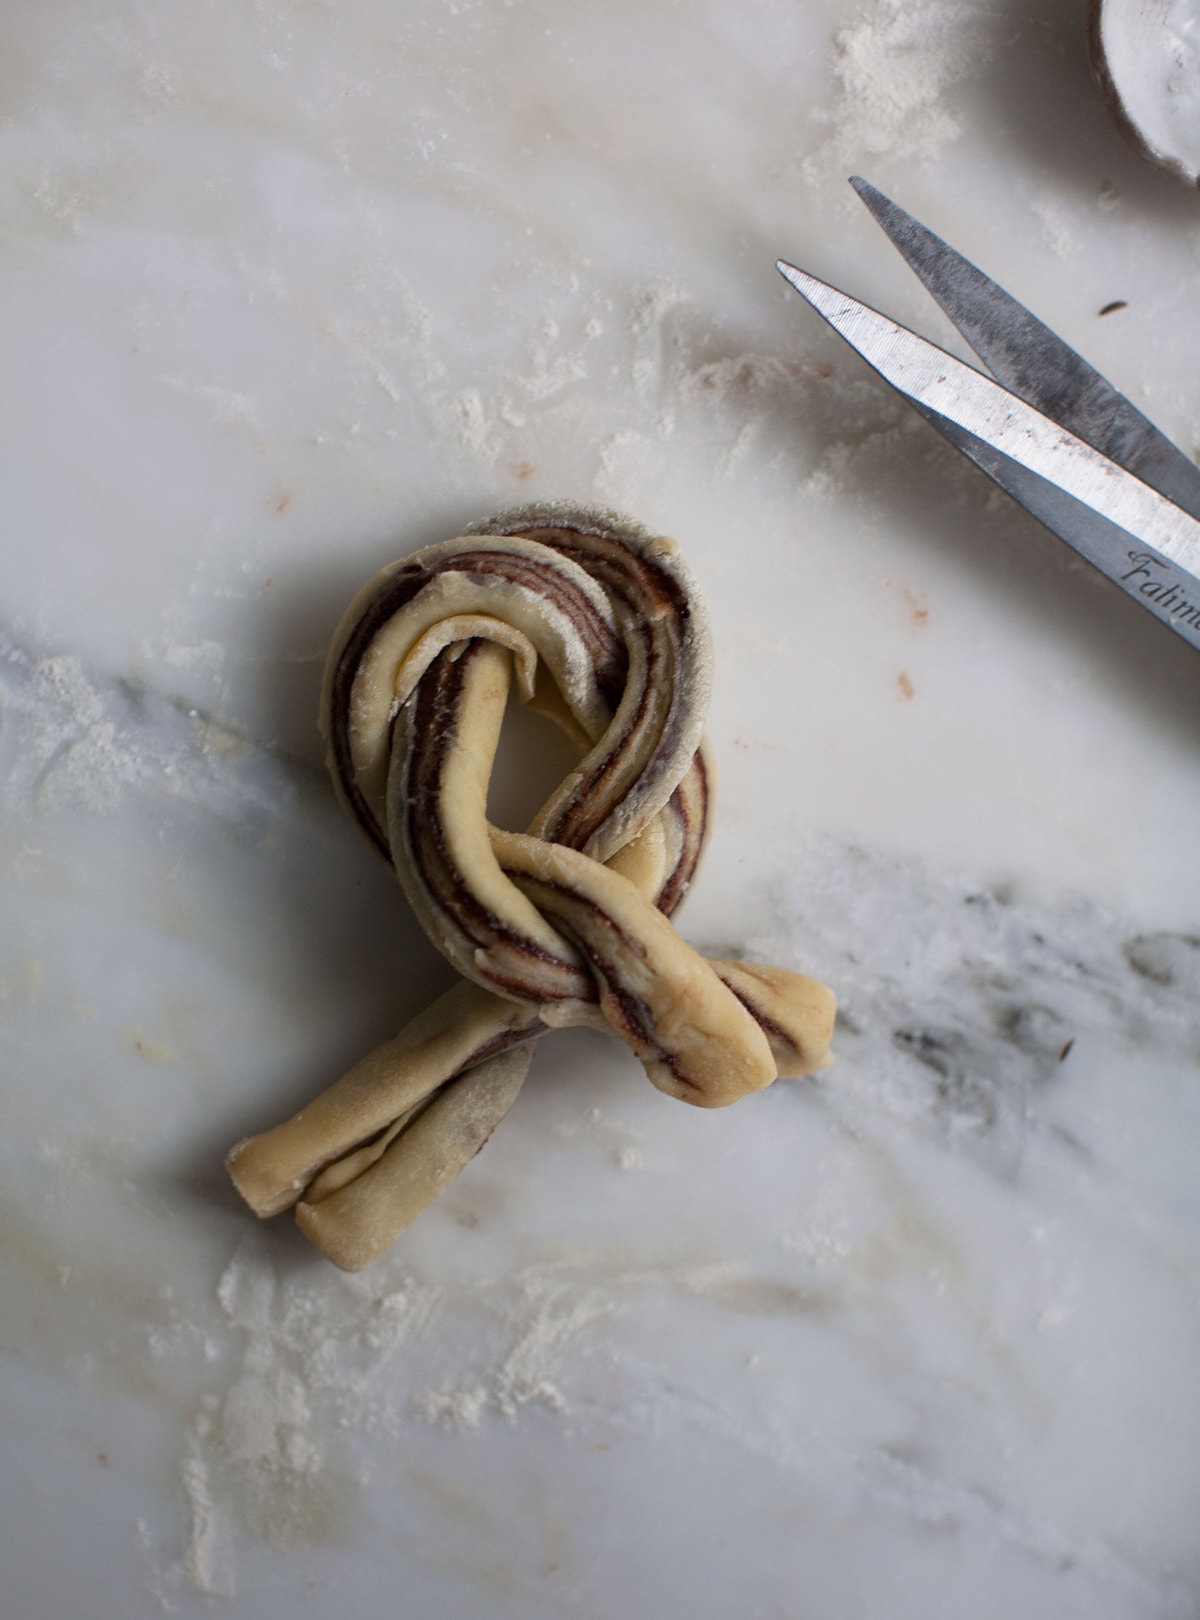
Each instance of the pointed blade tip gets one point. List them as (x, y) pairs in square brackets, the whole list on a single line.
[(795, 277), (871, 196)]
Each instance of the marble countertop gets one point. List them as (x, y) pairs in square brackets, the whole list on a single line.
[(290, 289)]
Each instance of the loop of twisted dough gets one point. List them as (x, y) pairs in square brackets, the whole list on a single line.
[(601, 628)]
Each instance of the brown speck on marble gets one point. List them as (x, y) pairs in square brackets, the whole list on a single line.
[(1117, 303), (145, 1046), (905, 684)]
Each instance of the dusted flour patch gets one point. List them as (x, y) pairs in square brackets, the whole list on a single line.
[(894, 64), (74, 740), (1057, 221), (75, 755), (208, 1557), (546, 1321), (267, 1458), (557, 1334)]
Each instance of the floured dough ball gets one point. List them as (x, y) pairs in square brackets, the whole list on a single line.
[(1146, 57)]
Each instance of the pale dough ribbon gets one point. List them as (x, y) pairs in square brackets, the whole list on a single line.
[(600, 626)]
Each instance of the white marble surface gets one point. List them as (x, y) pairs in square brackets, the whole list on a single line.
[(290, 288)]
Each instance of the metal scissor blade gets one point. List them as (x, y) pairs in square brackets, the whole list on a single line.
[(1152, 579), (1139, 539), (1033, 362)]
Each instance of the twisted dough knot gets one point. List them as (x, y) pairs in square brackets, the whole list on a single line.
[(600, 627)]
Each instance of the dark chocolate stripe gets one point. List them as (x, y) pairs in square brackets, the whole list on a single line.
[(659, 609), (431, 730), (589, 807), (607, 653), (695, 823), (767, 1024), (634, 1012), (656, 612)]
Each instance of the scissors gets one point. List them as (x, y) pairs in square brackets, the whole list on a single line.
[(1050, 430)]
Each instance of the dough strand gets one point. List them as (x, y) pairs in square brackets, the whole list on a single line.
[(598, 624)]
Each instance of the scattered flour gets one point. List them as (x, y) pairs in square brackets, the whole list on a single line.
[(71, 741), (263, 1458), (320, 1356), (651, 339), (547, 1311), (893, 66), (628, 461), (553, 366), (488, 420), (227, 407), (74, 755), (204, 655), (615, 381), (547, 1319), (157, 87), (208, 1558), (1055, 221), (466, 416), (802, 414), (66, 200)]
